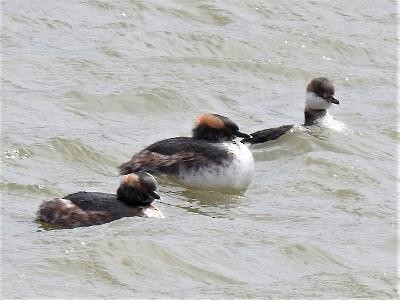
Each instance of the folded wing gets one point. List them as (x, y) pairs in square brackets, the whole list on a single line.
[(168, 155)]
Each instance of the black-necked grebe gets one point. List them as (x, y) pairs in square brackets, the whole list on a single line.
[(134, 197), (210, 159)]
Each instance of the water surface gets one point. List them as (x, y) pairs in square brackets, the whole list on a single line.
[(88, 83)]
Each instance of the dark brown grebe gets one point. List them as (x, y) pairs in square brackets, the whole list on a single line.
[(134, 198)]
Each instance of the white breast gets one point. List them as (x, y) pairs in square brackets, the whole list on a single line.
[(233, 175), (153, 212)]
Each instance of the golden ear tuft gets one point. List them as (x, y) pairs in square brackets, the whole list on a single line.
[(210, 121), (131, 180)]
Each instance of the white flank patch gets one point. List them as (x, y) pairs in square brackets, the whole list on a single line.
[(153, 212), (315, 102), (235, 174), (67, 203)]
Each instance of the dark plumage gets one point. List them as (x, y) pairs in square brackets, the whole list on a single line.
[(210, 159), (173, 155), (134, 197), (170, 155), (266, 135)]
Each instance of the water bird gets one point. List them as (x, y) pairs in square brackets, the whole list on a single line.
[(319, 97), (211, 159), (134, 198)]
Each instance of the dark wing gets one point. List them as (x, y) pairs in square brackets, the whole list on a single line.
[(93, 201), (168, 155), (266, 135)]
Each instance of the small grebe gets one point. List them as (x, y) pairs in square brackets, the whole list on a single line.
[(319, 97), (210, 159), (134, 198)]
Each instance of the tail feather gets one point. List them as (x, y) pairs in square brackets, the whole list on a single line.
[(64, 213), (53, 211)]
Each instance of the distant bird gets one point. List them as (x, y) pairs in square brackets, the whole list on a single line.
[(319, 97), (210, 159), (134, 198)]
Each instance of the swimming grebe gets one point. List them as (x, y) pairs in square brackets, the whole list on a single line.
[(210, 159), (134, 198), (319, 97)]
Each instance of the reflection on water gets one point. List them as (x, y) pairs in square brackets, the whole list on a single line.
[(208, 203)]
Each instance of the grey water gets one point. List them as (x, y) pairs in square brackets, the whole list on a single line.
[(86, 84)]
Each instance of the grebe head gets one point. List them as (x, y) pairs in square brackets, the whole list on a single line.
[(216, 128), (138, 189), (320, 94)]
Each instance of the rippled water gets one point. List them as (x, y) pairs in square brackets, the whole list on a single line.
[(88, 83)]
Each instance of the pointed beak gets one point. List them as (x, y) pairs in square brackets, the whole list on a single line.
[(241, 134), (333, 100), (155, 195)]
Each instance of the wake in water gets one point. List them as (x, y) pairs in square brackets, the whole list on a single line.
[(319, 97), (330, 122)]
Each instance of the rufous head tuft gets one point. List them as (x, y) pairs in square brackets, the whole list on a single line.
[(132, 180), (210, 120)]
